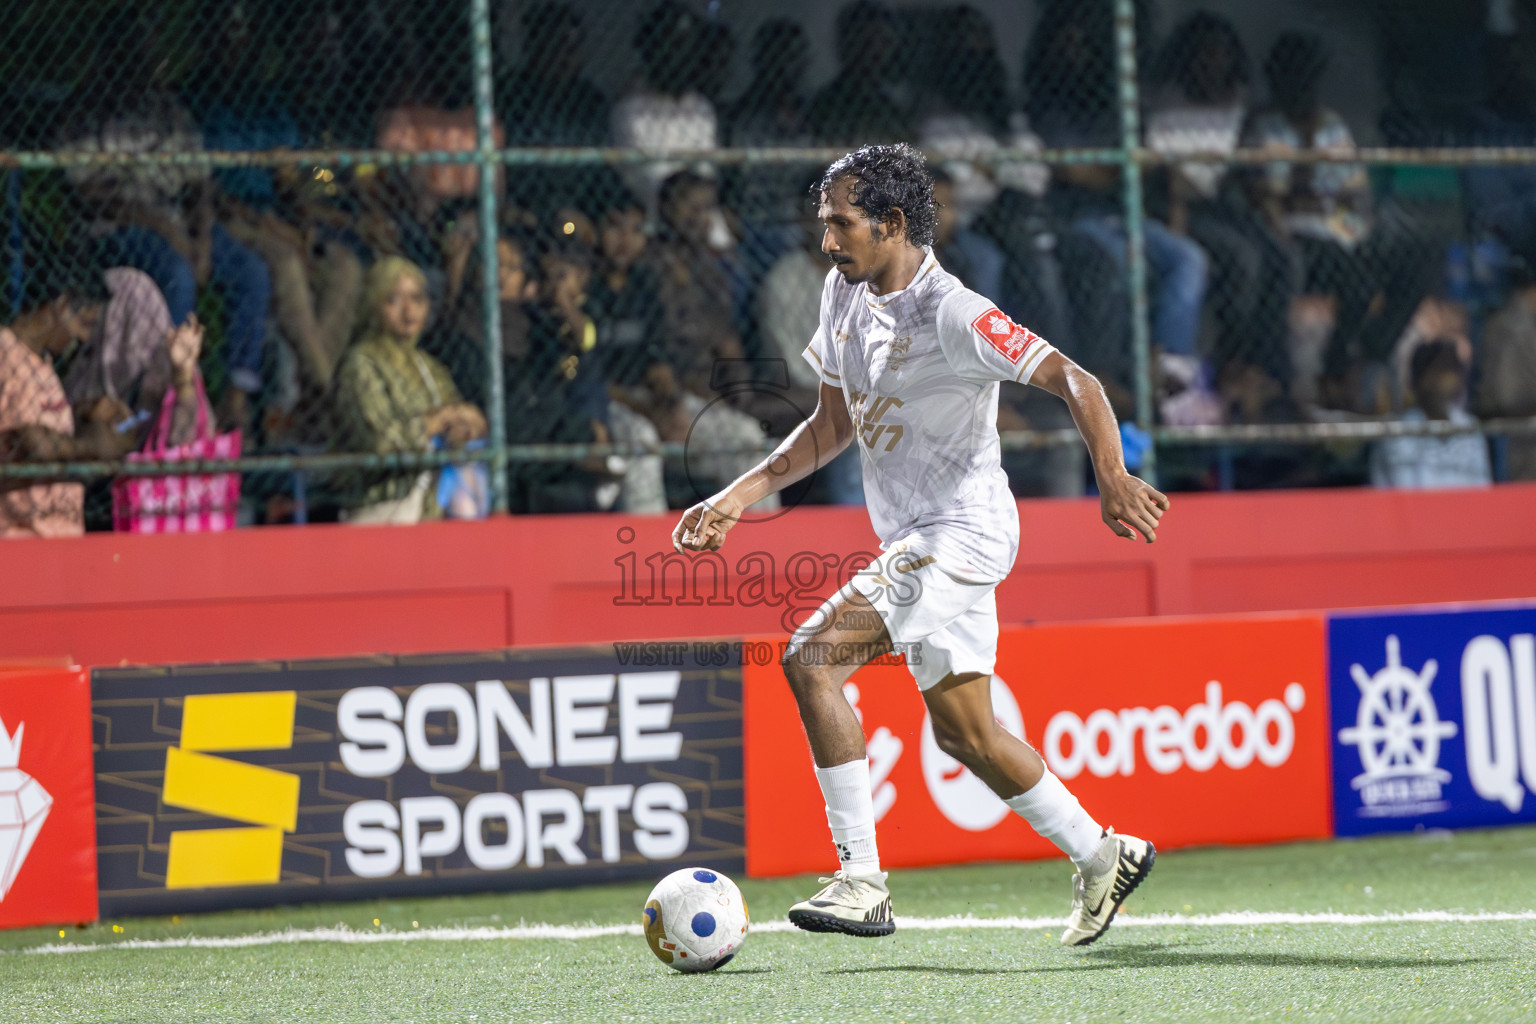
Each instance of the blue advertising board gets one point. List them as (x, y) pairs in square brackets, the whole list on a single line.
[(1434, 718)]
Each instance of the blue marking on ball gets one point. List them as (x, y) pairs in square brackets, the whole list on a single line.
[(650, 914), (704, 876), (725, 960), (703, 924)]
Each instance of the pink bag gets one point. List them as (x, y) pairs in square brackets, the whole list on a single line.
[(179, 504)]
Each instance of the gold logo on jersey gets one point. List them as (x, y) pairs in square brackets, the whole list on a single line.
[(869, 412)]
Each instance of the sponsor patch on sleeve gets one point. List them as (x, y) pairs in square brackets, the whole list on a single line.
[(1004, 335)]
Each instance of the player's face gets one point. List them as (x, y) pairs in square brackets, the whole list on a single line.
[(860, 246)]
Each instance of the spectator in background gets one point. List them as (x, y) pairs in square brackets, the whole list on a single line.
[(315, 276), (965, 114), (560, 394), (1507, 377), (789, 303), (316, 280), (700, 288), (240, 104), (771, 111), (432, 111), (861, 104), (715, 58), (970, 256), (160, 218), (698, 283), (458, 240), (326, 52), (626, 310), (665, 113), (1071, 84), (982, 267), (1202, 109), (60, 307), (1439, 376), (625, 298), (428, 106), (1500, 199), (135, 355), (968, 76), (548, 100), (1069, 77), (457, 339), (788, 314), (965, 109), (1018, 223), (391, 397), (1324, 213)]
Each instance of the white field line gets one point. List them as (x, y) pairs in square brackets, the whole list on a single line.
[(345, 935)]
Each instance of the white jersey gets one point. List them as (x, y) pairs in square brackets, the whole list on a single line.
[(919, 368)]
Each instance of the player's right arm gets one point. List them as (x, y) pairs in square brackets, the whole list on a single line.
[(814, 443), (1127, 503), (982, 344)]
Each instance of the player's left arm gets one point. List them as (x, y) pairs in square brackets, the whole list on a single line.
[(1126, 502)]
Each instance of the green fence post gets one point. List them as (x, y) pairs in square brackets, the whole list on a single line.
[(496, 415), (1135, 221)]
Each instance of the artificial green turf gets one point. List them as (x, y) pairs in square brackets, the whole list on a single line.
[(1395, 972)]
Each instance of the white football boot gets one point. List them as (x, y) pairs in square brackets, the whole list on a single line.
[(854, 905), (1118, 867)]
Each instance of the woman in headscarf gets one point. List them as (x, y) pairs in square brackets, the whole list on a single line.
[(392, 397)]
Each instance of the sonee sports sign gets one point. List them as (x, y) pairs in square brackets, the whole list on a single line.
[(329, 780)]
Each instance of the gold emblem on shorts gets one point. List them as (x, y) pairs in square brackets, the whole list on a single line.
[(915, 564)]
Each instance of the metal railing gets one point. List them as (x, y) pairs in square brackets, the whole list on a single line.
[(1131, 157)]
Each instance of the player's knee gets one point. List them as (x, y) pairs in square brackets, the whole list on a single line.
[(800, 670), (970, 744)]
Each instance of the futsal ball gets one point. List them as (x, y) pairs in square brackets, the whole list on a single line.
[(695, 920)]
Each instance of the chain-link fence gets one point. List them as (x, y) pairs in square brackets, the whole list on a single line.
[(386, 260)]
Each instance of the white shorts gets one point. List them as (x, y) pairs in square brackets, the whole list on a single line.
[(944, 624)]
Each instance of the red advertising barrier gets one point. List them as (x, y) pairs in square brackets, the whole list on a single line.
[(1185, 732), (47, 801), (325, 591)]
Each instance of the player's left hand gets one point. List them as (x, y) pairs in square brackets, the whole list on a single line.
[(704, 526), (1130, 506)]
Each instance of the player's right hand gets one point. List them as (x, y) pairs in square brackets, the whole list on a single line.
[(704, 526), (1130, 505)]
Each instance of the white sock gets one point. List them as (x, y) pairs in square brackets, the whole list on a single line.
[(851, 813), (1054, 812)]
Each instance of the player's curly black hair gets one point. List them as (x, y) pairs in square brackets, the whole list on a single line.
[(886, 178)]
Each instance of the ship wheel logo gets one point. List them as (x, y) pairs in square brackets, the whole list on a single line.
[(1397, 727)]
